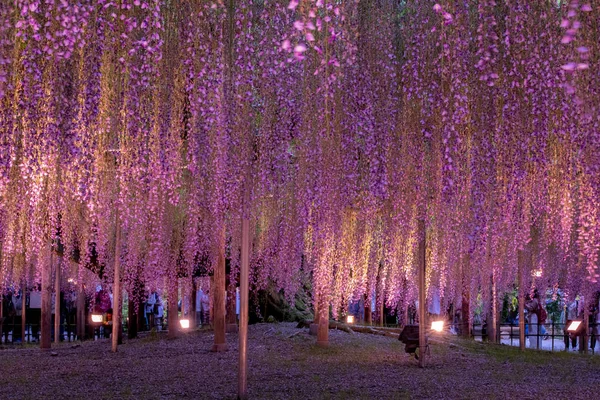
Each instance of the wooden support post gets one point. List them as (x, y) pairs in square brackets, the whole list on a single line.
[(193, 298), (465, 330), (367, 304), (116, 316), (45, 342), (521, 292), (243, 329), (23, 311), (57, 278), (81, 312), (584, 345), (1, 313), (173, 317), (218, 294), (232, 326), (421, 273), (132, 324)]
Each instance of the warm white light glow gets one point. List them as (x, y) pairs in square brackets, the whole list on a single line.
[(573, 326), (437, 326), (185, 323), (96, 318), (537, 273), (70, 280), (350, 319)]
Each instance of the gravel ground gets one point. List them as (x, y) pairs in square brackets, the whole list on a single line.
[(284, 363)]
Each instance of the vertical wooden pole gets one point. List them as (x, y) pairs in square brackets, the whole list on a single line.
[(218, 294), (116, 318), (232, 326), (421, 273), (493, 323), (367, 304), (23, 311), (465, 330), (45, 342), (243, 329), (584, 346), (57, 301), (193, 299), (1, 312), (81, 312), (521, 292), (173, 317)]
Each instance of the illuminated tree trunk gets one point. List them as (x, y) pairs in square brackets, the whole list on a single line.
[(116, 327), (57, 302), (323, 326), (422, 299), (521, 292), (218, 294), (173, 318), (314, 327), (45, 342)]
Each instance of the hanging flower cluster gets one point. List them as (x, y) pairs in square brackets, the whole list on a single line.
[(336, 126)]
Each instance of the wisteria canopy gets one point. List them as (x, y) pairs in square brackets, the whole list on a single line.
[(349, 121)]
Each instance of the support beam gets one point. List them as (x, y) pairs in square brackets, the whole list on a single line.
[(46, 320), (81, 312), (218, 294), (243, 329), (23, 310), (421, 273), (116, 317), (521, 293), (57, 277), (172, 313)]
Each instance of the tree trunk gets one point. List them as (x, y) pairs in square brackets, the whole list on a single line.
[(421, 273), (173, 317), (323, 326), (218, 294), (584, 345), (57, 301), (46, 322)]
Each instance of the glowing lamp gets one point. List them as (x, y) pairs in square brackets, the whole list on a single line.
[(185, 323), (573, 326), (437, 326), (537, 273), (350, 319), (97, 318)]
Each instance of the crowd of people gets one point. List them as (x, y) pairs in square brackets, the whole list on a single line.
[(99, 302)]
